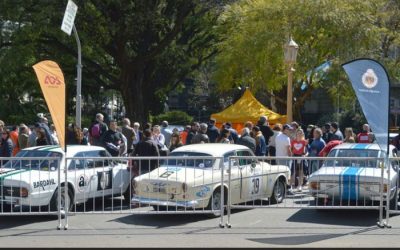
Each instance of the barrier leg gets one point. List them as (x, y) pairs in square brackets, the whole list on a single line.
[(388, 193), (221, 223), (228, 223), (380, 222), (59, 197), (66, 196)]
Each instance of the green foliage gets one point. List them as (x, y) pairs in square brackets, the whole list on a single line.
[(255, 31), (173, 117), (140, 48)]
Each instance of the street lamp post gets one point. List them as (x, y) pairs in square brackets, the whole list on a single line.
[(290, 59)]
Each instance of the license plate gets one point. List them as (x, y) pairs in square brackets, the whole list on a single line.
[(162, 190)]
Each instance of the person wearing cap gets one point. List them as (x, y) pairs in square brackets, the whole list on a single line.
[(267, 132), (283, 145), (212, 131), (166, 132)]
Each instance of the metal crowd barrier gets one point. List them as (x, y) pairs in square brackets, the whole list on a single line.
[(146, 185), (331, 183), (194, 185), (30, 186)]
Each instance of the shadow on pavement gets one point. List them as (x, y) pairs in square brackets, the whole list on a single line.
[(296, 240), (7, 222), (362, 218), (306, 239), (163, 220)]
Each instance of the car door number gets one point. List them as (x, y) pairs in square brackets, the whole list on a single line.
[(255, 186)]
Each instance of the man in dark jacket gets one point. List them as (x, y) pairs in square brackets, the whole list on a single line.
[(146, 147), (212, 131), (246, 140), (265, 129), (193, 132), (112, 139)]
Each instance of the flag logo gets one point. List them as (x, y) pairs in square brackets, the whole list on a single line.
[(369, 79)]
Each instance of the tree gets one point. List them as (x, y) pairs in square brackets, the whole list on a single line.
[(254, 33), (141, 48)]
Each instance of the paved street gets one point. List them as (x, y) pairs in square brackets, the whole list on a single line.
[(250, 228)]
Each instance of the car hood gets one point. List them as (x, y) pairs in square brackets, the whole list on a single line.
[(179, 174), (22, 177)]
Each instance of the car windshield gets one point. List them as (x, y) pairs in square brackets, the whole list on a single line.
[(183, 159), (355, 154), (33, 164)]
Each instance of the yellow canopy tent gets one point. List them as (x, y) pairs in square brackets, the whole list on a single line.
[(247, 108)]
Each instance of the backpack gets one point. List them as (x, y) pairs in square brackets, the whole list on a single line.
[(96, 130)]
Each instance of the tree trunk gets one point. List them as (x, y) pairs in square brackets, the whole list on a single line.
[(132, 92)]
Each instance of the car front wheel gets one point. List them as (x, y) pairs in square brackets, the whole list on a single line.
[(279, 192)]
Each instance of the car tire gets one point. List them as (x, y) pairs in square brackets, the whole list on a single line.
[(54, 201), (215, 204), (279, 192)]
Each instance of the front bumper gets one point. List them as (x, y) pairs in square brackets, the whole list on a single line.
[(157, 202)]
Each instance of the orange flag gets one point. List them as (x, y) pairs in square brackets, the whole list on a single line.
[(51, 80)]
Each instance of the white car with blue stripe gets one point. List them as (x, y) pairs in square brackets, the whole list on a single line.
[(354, 177), (34, 181), (183, 182)]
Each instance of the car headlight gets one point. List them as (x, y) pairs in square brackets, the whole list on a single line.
[(23, 192), (314, 185)]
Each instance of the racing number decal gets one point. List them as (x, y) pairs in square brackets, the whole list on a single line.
[(255, 185), (167, 174), (105, 180)]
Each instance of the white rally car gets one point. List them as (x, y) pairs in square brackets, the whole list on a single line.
[(185, 182), (353, 180), (33, 182)]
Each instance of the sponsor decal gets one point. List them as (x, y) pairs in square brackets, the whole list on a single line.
[(369, 79), (42, 184), (105, 180), (83, 181), (203, 191)]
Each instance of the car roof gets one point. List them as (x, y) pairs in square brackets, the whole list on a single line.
[(360, 146), (71, 149), (213, 149)]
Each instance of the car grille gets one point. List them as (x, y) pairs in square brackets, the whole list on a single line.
[(9, 191)]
